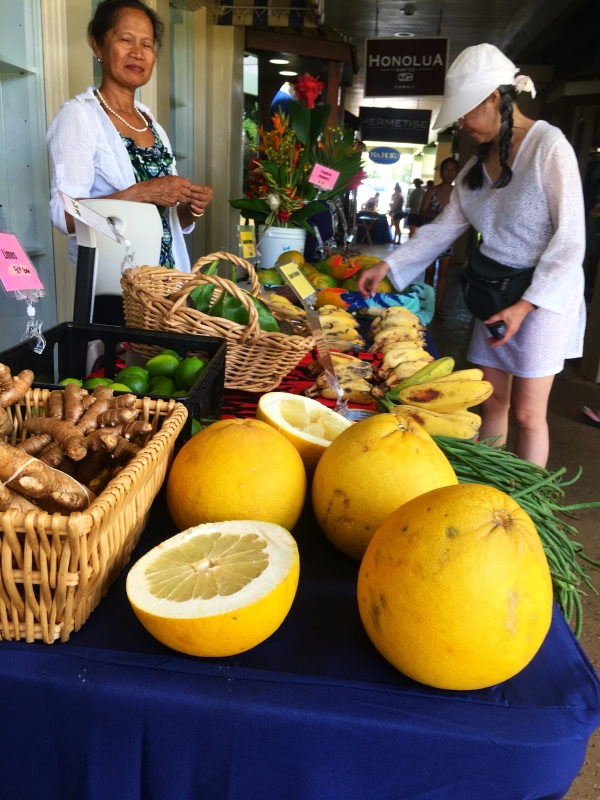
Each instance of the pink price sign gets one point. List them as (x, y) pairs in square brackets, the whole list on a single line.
[(16, 271), (323, 177)]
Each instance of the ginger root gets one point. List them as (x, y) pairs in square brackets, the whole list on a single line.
[(56, 408), (123, 401), (89, 421), (116, 415), (6, 423), (68, 436), (10, 499), (102, 440), (14, 389), (73, 404), (35, 444)]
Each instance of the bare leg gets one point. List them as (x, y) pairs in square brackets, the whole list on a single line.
[(442, 279), (529, 401), (412, 229), (430, 274), (397, 230), (494, 411)]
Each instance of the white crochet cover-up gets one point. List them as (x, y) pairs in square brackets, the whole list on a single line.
[(536, 221)]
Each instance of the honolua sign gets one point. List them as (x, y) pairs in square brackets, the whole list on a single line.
[(405, 67)]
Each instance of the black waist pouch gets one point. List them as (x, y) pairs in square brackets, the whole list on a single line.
[(489, 287)]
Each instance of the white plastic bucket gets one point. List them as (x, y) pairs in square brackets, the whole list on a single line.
[(275, 241)]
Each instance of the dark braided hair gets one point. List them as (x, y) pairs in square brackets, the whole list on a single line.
[(474, 177)]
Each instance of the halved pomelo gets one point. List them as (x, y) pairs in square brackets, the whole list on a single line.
[(307, 424), (216, 589)]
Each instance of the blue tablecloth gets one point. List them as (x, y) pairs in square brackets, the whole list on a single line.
[(314, 713), (379, 231)]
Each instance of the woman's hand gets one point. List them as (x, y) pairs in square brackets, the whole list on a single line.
[(371, 278), (200, 198), (512, 317), (167, 191)]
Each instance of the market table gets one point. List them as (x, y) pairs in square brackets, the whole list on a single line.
[(313, 713)]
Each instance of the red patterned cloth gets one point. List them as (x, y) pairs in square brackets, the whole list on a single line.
[(243, 404)]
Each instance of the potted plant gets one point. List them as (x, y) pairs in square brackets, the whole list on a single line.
[(280, 195)]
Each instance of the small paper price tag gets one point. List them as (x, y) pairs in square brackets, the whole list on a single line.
[(91, 218), (323, 177), (247, 241), (17, 273), (292, 275)]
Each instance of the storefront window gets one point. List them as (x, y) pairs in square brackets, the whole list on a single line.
[(24, 182)]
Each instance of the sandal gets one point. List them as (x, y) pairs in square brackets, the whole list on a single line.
[(590, 417)]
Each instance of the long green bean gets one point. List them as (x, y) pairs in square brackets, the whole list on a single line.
[(538, 492)]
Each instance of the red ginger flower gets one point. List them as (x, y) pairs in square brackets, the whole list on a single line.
[(284, 215), (308, 89)]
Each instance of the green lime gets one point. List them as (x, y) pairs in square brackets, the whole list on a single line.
[(196, 427), (65, 381), (162, 365), (133, 370), (180, 393), (119, 387), (162, 386), (189, 371), (136, 383), (91, 383), (168, 352)]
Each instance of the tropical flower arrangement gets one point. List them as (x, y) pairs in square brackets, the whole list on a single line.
[(280, 193)]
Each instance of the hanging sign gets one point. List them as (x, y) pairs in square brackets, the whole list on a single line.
[(396, 125), (323, 177), (247, 241), (17, 273), (91, 218), (384, 155), (405, 67)]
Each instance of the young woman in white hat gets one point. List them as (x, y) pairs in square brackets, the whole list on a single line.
[(522, 192)]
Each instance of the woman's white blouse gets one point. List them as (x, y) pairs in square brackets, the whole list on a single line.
[(89, 159), (538, 220)]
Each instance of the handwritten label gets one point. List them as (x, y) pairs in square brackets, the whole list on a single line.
[(323, 177), (17, 273), (247, 241), (292, 275), (91, 218)]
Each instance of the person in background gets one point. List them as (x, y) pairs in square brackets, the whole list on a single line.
[(522, 192), (397, 212), (428, 186), (105, 144), (373, 202), (435, 201), (414, 201)]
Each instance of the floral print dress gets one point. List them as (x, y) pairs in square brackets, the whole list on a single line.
[(154, 162)]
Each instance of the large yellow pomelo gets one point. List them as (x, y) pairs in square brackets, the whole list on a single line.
[(217, 589), (307, 424), (369, 471), (291, 255), (236, 469), (454, 589)]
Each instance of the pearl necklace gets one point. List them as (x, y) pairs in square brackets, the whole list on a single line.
[(118, 116)]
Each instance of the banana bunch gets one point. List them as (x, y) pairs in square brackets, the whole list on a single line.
[(437, 398), (396, 327), (352, 373), (284, 304), (340, 328)]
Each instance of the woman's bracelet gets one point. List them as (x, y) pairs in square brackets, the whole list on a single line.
[(193, 213)]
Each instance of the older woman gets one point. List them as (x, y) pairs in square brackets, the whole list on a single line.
[(104, 144), (522, 192)]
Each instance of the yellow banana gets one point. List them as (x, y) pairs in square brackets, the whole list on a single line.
[(333, 320), (408, 368), (463, 375), (394, 347), (398, 311), (452, 396), (399, 354), (355, 394), (343, 376), (454, 424), (435, 371), (398, 322), (397, 335), (345, 334)]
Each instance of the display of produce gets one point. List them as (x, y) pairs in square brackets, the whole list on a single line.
[(307, 424), (539, 492), (354, 377), (237, 469), (340, 328), (370, 470), (454, 589), (216, 589)]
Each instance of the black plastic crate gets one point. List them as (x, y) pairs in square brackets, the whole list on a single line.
[(65, 356)]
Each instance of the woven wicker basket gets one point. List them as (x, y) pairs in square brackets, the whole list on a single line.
[(55, 568), (154, 298)]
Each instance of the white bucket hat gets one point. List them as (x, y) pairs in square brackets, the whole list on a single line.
[(473, 76)]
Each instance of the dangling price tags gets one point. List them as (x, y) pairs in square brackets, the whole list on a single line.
[(17, 273), (306, 294), (92, 219), (247, 241), (323, 177)]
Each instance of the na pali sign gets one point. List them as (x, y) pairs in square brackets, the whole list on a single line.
[(405, 67)]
